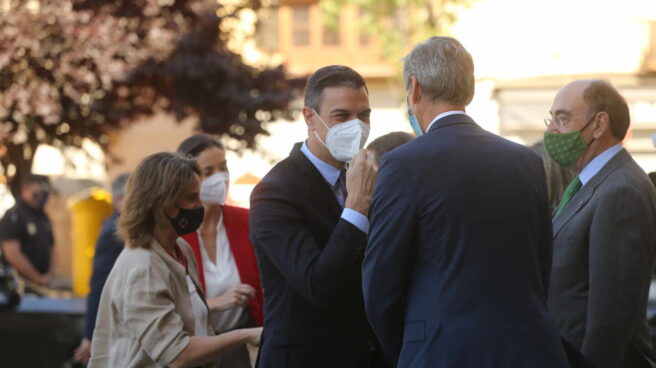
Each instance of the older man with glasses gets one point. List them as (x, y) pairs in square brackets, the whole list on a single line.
[(603, 228)]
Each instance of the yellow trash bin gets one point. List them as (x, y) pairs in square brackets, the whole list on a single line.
[(88, 211)]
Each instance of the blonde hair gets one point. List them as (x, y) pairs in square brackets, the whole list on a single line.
[(156, 184)]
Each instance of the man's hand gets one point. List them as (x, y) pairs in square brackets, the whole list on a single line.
[(12, 252), (83, 352), (360, 181), (44, 280)]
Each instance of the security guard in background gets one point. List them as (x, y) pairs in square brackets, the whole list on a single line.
[(26, 238)]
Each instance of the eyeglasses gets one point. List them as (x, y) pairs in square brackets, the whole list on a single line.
[(560, 120)]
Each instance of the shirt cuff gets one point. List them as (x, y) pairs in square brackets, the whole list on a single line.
[(357, 219)]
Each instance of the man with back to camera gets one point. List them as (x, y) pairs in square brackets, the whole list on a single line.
[(26, 237), (604, 233), (309, 229), (457, 267)]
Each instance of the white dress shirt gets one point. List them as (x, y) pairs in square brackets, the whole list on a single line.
[(331, 175), (443, 115)]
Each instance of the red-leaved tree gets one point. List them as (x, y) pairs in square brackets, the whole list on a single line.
[(76, 69)]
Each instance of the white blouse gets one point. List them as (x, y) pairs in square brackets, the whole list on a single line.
[(220, 275), (199, 309)]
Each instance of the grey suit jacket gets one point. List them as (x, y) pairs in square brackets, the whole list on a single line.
[(603, 259)]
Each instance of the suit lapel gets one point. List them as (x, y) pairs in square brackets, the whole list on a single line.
[(583, 196), (319, 191)]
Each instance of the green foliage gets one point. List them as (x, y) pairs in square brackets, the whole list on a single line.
[(78, 69), (399, 23)]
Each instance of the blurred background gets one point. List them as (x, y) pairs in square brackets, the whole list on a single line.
[(89, 87)]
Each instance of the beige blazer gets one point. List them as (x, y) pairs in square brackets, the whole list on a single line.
[(145, 317)]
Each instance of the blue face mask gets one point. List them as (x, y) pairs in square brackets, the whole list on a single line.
[(414, 123)]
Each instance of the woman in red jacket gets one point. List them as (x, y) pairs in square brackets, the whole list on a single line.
[(225, 257)]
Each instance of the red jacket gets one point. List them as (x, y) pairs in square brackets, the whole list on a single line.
[(235, 220)]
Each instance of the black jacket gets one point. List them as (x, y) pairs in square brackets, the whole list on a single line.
[(108, 248), (309, 260)]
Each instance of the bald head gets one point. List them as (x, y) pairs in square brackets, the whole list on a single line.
[(589, 97), (569, 99)]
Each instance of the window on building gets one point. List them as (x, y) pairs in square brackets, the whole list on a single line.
[(267, 30), (301, 25), (331, 34)]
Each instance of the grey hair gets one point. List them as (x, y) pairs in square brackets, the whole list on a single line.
[(118, 186), (444, 70)]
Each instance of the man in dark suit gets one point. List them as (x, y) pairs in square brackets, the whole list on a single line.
[(108, 248), (604, 233), (457, 266), (309, 229)]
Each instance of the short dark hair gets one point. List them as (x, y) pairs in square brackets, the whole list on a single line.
[(197, 143), (388, 142), (41, 180), (330, 76), (602, 96)]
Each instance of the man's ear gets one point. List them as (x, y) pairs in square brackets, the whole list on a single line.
[(602, 124), (415, 90), (308, 113)]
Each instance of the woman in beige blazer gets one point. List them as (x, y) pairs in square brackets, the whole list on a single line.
[(152, 312)]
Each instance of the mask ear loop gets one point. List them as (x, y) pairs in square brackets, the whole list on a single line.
[(324, 124), (594, 116), (414, 111)]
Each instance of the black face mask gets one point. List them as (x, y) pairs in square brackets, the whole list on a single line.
[(188, 221), (41, 198)]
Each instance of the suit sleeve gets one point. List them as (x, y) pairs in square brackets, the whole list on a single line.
[(279, 231), (545, 250), (620, 266), (148, 308), (385, 265), (10, 226), (108, 248)]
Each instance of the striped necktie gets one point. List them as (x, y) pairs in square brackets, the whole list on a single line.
[(340, 186)]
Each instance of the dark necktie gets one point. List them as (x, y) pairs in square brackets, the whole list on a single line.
[(340, 186), (571, 189)]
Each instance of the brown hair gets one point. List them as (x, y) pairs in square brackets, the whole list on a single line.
[(330, 76), (602, 96), (197, 143), (388, 142), (156, 184)]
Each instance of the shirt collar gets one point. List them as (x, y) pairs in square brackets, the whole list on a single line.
[(443, 115), (329, 173), (598, 163)]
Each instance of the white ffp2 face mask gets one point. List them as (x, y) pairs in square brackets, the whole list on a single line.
[(214, 189), (344, 140)]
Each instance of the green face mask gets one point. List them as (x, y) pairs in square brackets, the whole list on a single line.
[(566, 148)]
